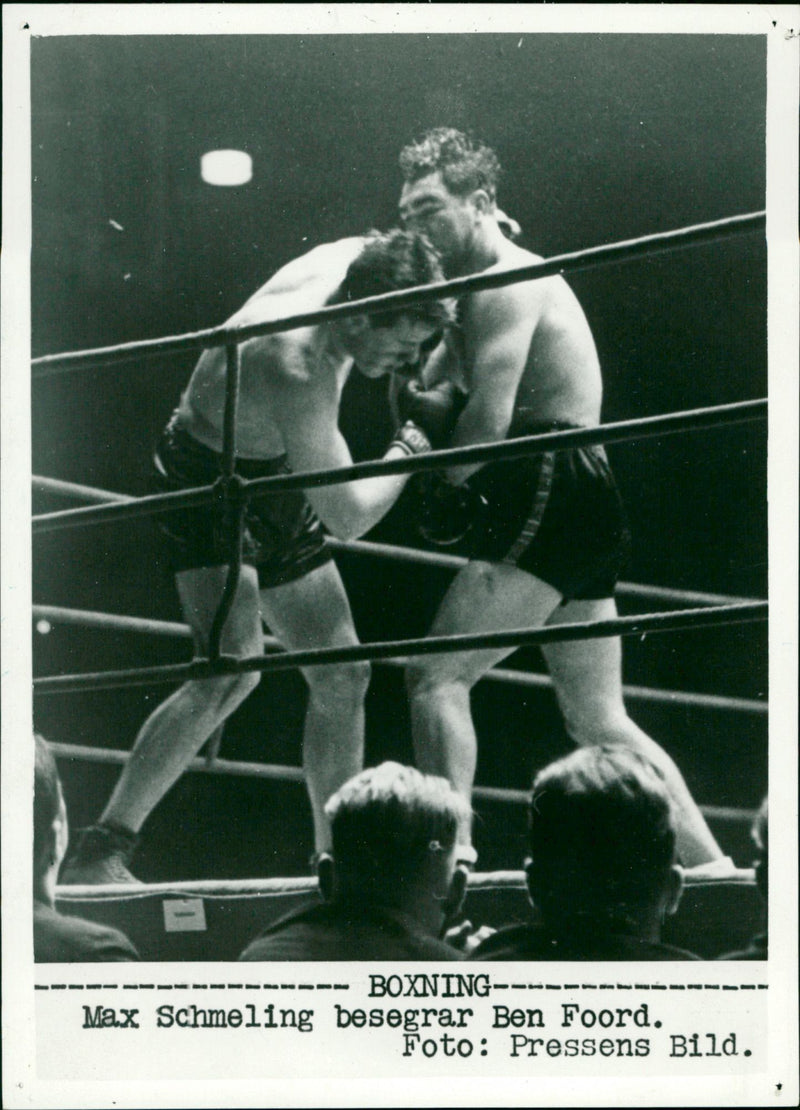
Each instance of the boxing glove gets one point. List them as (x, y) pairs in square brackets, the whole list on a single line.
[(411, 438), (435, 410), (448, 512)]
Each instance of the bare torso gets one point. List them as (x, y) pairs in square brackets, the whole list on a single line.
[(305, 355), (558, 376)]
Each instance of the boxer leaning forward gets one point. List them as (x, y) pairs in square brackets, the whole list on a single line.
[(291, 386), (547, 535)]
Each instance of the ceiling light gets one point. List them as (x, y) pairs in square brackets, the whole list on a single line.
[(226, 167)]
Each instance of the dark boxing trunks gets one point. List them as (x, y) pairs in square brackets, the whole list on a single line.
[(283, 537), (558, 515)]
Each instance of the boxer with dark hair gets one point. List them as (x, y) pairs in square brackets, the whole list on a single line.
[(288, 411), (546, 534)]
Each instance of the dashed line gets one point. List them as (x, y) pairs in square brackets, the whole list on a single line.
[(346, 986)]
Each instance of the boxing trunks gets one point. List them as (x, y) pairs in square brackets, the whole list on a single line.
[(558, 515), (283, 537)]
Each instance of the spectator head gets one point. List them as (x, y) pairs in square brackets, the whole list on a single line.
[(50, 827), (602, 840), (760, 835), (394, 840)]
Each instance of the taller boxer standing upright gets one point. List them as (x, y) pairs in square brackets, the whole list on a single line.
[(546, 535), (290, 390)]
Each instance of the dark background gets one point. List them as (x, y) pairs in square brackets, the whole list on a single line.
[(602, 137)]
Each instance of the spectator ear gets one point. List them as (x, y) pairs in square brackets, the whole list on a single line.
[(761, 873), (60, 830), (531, 877), (456, 891), (674, 890), (55, 846), (326, 876), (46, 856)]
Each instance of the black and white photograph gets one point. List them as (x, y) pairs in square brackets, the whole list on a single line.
[(353, 640)]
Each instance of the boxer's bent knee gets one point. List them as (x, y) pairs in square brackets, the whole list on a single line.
[(427, 682), (224, 692), (340, 682)]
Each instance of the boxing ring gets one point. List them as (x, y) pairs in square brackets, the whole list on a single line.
[(688, 610)]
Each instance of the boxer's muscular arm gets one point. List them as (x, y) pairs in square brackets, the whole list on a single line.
[(442, 364), (307, 412), (498, 332)]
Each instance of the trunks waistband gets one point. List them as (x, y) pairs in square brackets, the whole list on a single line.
[(525, 424), (247, 468)]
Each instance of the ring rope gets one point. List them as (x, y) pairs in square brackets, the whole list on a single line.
[(410, 554), (276, 772), (642, 427), (275, 887), (622, 251), (116, 623), (247, 888), (74, 489), (457, 562), (228, 665)]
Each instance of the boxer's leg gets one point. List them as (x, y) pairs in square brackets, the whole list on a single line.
[(313, 611), (587, 675), (483, 597), (173, 734)]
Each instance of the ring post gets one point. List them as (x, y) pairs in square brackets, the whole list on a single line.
[(231, 491)]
